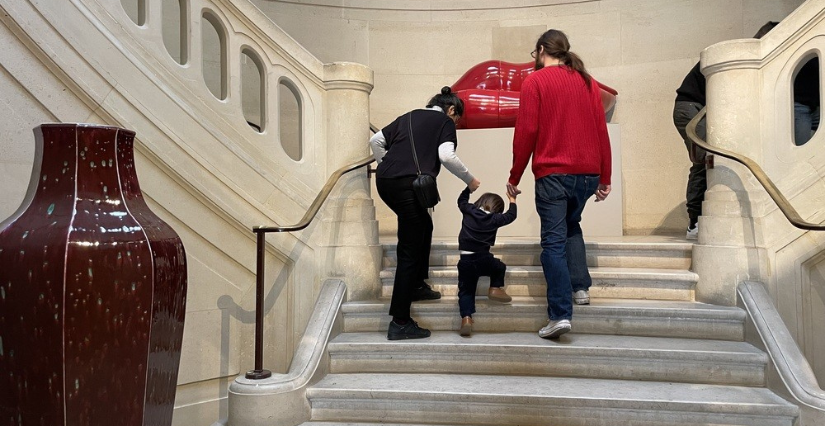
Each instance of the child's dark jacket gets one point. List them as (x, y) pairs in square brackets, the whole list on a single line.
[(478, 228)]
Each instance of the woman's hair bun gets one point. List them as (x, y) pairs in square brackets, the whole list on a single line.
[(446, 90)]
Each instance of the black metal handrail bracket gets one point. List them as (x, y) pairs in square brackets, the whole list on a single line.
[(776, 195), (260, 235)]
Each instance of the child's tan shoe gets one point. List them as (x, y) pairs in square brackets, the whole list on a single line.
[(466, 326), (499, 295)]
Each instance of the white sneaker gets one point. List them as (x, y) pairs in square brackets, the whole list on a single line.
[(554, 329), (581, 297), (693, 233)]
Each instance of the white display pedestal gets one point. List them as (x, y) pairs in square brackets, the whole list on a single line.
[(488, 153)]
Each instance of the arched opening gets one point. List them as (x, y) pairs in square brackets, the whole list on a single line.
[(806, 100), (213, 40), (289, 119), (136, 10), (252, 89), (175, 29)]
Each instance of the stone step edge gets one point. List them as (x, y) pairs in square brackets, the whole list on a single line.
[(777, 408), (502, 245), (601, 307), (334, 423), (598, 272), (744, 353)]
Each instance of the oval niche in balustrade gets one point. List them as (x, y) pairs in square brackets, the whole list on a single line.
[(252, 89), (289, 119), (136, 10), (213, 40), (175, 30), (806, 100)]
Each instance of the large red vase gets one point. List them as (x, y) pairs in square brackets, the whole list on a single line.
[(92, 290)]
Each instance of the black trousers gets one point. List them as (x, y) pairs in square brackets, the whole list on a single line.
[(697, 184), (470, 268), (415, 236)]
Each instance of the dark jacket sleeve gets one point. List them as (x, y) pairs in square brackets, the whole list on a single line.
[(506, 218), (464, 201)]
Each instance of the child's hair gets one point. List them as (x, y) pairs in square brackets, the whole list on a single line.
[(490, 202)]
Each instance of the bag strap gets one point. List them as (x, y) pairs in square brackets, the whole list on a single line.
[(412, 144)]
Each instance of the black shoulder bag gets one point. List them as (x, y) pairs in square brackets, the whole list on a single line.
[(424, 186)]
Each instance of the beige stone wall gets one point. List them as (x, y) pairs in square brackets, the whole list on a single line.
[(642, 48)]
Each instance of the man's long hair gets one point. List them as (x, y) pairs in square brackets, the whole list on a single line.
[(555, 44)]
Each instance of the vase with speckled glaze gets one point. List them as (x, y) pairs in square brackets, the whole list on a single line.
[(92, 290)]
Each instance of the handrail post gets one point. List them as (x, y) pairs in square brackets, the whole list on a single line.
[(260, 232), (259, 373)]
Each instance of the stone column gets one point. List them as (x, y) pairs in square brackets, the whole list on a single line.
[(730, 248), (350, 247)]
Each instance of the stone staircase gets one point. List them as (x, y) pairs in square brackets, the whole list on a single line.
[(643, 353)]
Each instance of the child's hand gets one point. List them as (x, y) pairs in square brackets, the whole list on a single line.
[(511, 198)]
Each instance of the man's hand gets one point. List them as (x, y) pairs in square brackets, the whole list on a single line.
[(512, 191), (474, 185), (602, 192)]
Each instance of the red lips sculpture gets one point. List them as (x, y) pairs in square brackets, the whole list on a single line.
[(491, 89)]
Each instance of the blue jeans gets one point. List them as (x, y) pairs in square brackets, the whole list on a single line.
[(806, 121), (560, 200)]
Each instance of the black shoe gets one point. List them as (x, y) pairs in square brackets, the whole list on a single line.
[(425, 292), (410, 330)]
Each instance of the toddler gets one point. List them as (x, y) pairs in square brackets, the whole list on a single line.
[(478, 233)]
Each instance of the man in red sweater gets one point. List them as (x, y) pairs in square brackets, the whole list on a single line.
[(561, 124)]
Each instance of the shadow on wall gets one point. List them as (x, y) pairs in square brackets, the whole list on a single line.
[(230, 308), (673, 223)]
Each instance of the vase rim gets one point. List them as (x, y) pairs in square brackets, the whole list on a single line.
[(99, 126)]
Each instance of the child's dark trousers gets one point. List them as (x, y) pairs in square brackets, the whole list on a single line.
[(470, 268)]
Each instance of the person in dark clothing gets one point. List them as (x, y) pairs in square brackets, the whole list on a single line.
[(433, 132), (806, 102), (479, 225), (690, 99)]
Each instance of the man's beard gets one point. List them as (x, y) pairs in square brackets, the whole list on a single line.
[(539, 63)]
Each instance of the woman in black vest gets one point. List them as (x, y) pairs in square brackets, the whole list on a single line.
[(434, 134)]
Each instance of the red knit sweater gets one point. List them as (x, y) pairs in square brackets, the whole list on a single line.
[(561, 124)]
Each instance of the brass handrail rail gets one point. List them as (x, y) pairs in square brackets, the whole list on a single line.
[(319, 199), (260, 236), (784, 205)]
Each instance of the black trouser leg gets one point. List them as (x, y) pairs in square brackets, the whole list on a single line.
[(424, 253), (467, 283), (696, 187), (497, 270), (683, 112), (414, 238)]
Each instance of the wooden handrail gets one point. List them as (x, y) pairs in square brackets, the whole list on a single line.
[(260, 233), (776, 195)]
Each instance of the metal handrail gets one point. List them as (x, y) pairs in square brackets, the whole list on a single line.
[(260, 233), (784, 205)]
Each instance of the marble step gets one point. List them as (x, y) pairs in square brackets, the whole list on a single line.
[(572, 355), (624, 253), (365, 424), (622, 283), (526, 400), (603, 316)]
